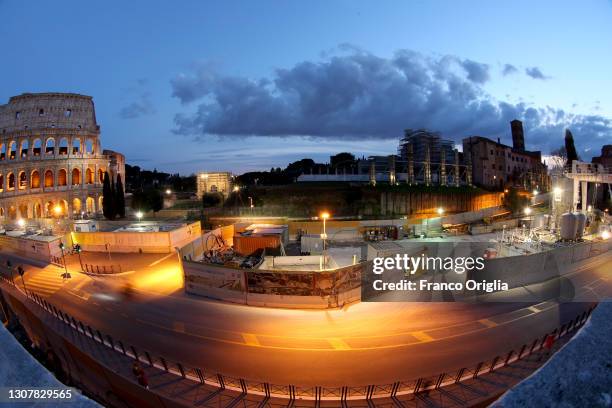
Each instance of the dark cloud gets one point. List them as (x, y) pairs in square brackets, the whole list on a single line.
[(535, 73), (476, 71), (509, 69), (358, 95)]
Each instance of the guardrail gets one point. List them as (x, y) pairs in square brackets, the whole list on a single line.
[(101, 269), (293, 392)]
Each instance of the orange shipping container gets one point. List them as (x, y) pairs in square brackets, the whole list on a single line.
[(247, 244)]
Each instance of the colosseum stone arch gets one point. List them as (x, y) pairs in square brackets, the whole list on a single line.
[(51, 164)]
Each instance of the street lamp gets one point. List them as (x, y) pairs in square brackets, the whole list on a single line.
[(67, 274), (440, 211), (527, 211), (139, 215), (535, 192), (57, 210), (168, 191), (21, 223), (236, 189), (324, 217)]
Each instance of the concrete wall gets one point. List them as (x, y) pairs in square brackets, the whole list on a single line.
[(274, 288), (29, 248), (539, 267), (207, 241), (407, 203), (150, 242)]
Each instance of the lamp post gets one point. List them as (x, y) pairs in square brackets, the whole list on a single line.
[(324, 216), (66, 275), (251, 204), (77, 248), (139, 215)]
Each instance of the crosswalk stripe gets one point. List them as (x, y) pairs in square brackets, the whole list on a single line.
[(488, 323), (250, 339), (422, 336), (338, 343)]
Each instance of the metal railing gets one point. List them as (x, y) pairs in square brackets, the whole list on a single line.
[(315, 393), (101, 269)]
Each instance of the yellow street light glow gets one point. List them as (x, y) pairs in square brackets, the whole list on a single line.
[(527, 210), (440, 211), (535, 192), (168, 191), (605, 234), (57, 209), (236, 188), (325, 215), (21, 222)]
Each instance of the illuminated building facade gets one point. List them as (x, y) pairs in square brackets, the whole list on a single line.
[(51, 161), (214, 182)]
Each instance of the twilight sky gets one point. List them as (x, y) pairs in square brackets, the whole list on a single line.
[(245, 85)]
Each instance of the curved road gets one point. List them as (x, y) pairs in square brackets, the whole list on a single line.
[(365, 343)]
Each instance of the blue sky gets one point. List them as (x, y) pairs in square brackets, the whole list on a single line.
[(245, 85)]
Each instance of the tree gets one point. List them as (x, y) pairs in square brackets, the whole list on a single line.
[(147, 200), (156, 200), (119, 198), (570, 148), (211, 200), (515, 202), (108, 199), (342, 160)]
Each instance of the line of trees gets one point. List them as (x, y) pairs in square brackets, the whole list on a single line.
[(113, 198), (146, 200)]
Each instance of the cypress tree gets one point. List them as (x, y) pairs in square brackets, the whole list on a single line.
[(570, 148), (108, 199), (119, 198)]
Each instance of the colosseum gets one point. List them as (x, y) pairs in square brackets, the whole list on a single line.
[(51, 162)]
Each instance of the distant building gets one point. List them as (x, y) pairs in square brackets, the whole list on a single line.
[(423, 158), (496, 165), (518, 135), (216, 182), (606, 157), (423, 140)]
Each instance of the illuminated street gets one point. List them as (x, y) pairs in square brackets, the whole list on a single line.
[(360, 344)]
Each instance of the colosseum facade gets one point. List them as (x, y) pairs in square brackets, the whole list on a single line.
[(51, 161)]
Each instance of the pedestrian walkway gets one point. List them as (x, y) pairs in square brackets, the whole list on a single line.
[(44, 282)]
